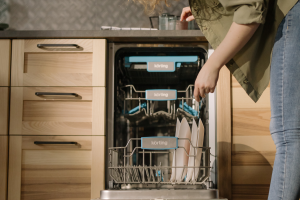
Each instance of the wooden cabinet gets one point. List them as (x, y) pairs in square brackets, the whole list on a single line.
[(57, 120), (5, 52), (56, 167), (4, 106), (3, 166), (57, 111), (253, 149), (58, 62)]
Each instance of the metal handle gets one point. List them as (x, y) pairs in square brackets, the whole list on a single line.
[(55, 94), (53, 142), (150, 18), (57, 45)]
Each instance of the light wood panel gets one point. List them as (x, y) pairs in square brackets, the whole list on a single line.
[(51, 172), (99, 114), (17, 63), (56, 79), (253, 143), (14, 168), (57, 115), (57, 111), (58, 63), (3, 166), (251, 121), (253, 150), (98, 166), (251, 175), (4, 107), (99, 62), (59, 66), (5, 55), (251, 191), (253, 158), (224, 133)]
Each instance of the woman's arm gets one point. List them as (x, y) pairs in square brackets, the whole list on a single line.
[(236, 38)]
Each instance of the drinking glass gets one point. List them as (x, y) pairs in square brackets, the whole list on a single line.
[(163, 21)]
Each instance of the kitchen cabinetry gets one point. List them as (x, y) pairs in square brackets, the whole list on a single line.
[(56, 167), (58, 62), (57, 119), (4, 107), (5, 52), (57, 111), (3, 166), (246, 149), (253, 150)]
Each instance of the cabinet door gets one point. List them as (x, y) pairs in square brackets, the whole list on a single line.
[(4, 94), (5, 51), (58, 62), (69, 168), (57, 111), (3, 166)]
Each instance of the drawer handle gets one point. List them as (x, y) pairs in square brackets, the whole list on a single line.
[(53, 142), (55, 94), (57, 45)]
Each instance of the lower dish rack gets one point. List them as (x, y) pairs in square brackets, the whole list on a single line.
[(145, 164)]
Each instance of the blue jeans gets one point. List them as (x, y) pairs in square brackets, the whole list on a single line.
[(285, 108)]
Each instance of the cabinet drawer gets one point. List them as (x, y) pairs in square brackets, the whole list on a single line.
[(4, 98), (3, 166), (5, 51), (81, 62), (57, 111), (59, 170)]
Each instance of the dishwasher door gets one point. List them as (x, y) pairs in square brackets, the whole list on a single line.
[(160, 194)]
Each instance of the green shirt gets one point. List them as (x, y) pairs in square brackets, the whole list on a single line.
[(251, 66)]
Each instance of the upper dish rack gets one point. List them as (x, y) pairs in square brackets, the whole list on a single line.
[(125, 172), (146, 109)]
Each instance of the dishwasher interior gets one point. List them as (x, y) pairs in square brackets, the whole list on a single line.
[(150, 89)]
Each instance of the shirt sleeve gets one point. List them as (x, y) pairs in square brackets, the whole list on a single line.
[(246, 11)]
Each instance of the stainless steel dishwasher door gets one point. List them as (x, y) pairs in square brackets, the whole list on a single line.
[(160, 194)]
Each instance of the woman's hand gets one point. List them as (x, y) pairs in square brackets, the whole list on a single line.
[(236, 38), (187, 14), (206, 80)]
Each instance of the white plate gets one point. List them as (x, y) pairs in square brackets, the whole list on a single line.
[(192, 159), (199, 150), (173, 162), (181, 154)]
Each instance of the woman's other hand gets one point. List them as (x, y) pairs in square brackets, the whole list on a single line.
[(206, 80), (187, 14)]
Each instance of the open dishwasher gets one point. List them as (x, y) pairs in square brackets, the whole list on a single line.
[(150, 89)]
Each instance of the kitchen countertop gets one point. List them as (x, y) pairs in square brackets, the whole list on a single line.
[(111, 35)]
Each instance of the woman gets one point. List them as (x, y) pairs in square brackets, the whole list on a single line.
[(281, 31), (244, 34)]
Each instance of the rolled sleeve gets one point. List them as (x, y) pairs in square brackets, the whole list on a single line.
[(247, 11)]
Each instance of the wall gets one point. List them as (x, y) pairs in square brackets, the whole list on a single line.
[(77, 14), (253, 150)]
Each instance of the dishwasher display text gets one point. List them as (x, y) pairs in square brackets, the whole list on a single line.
[(159, 143), (161, 95), (161, 67)]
